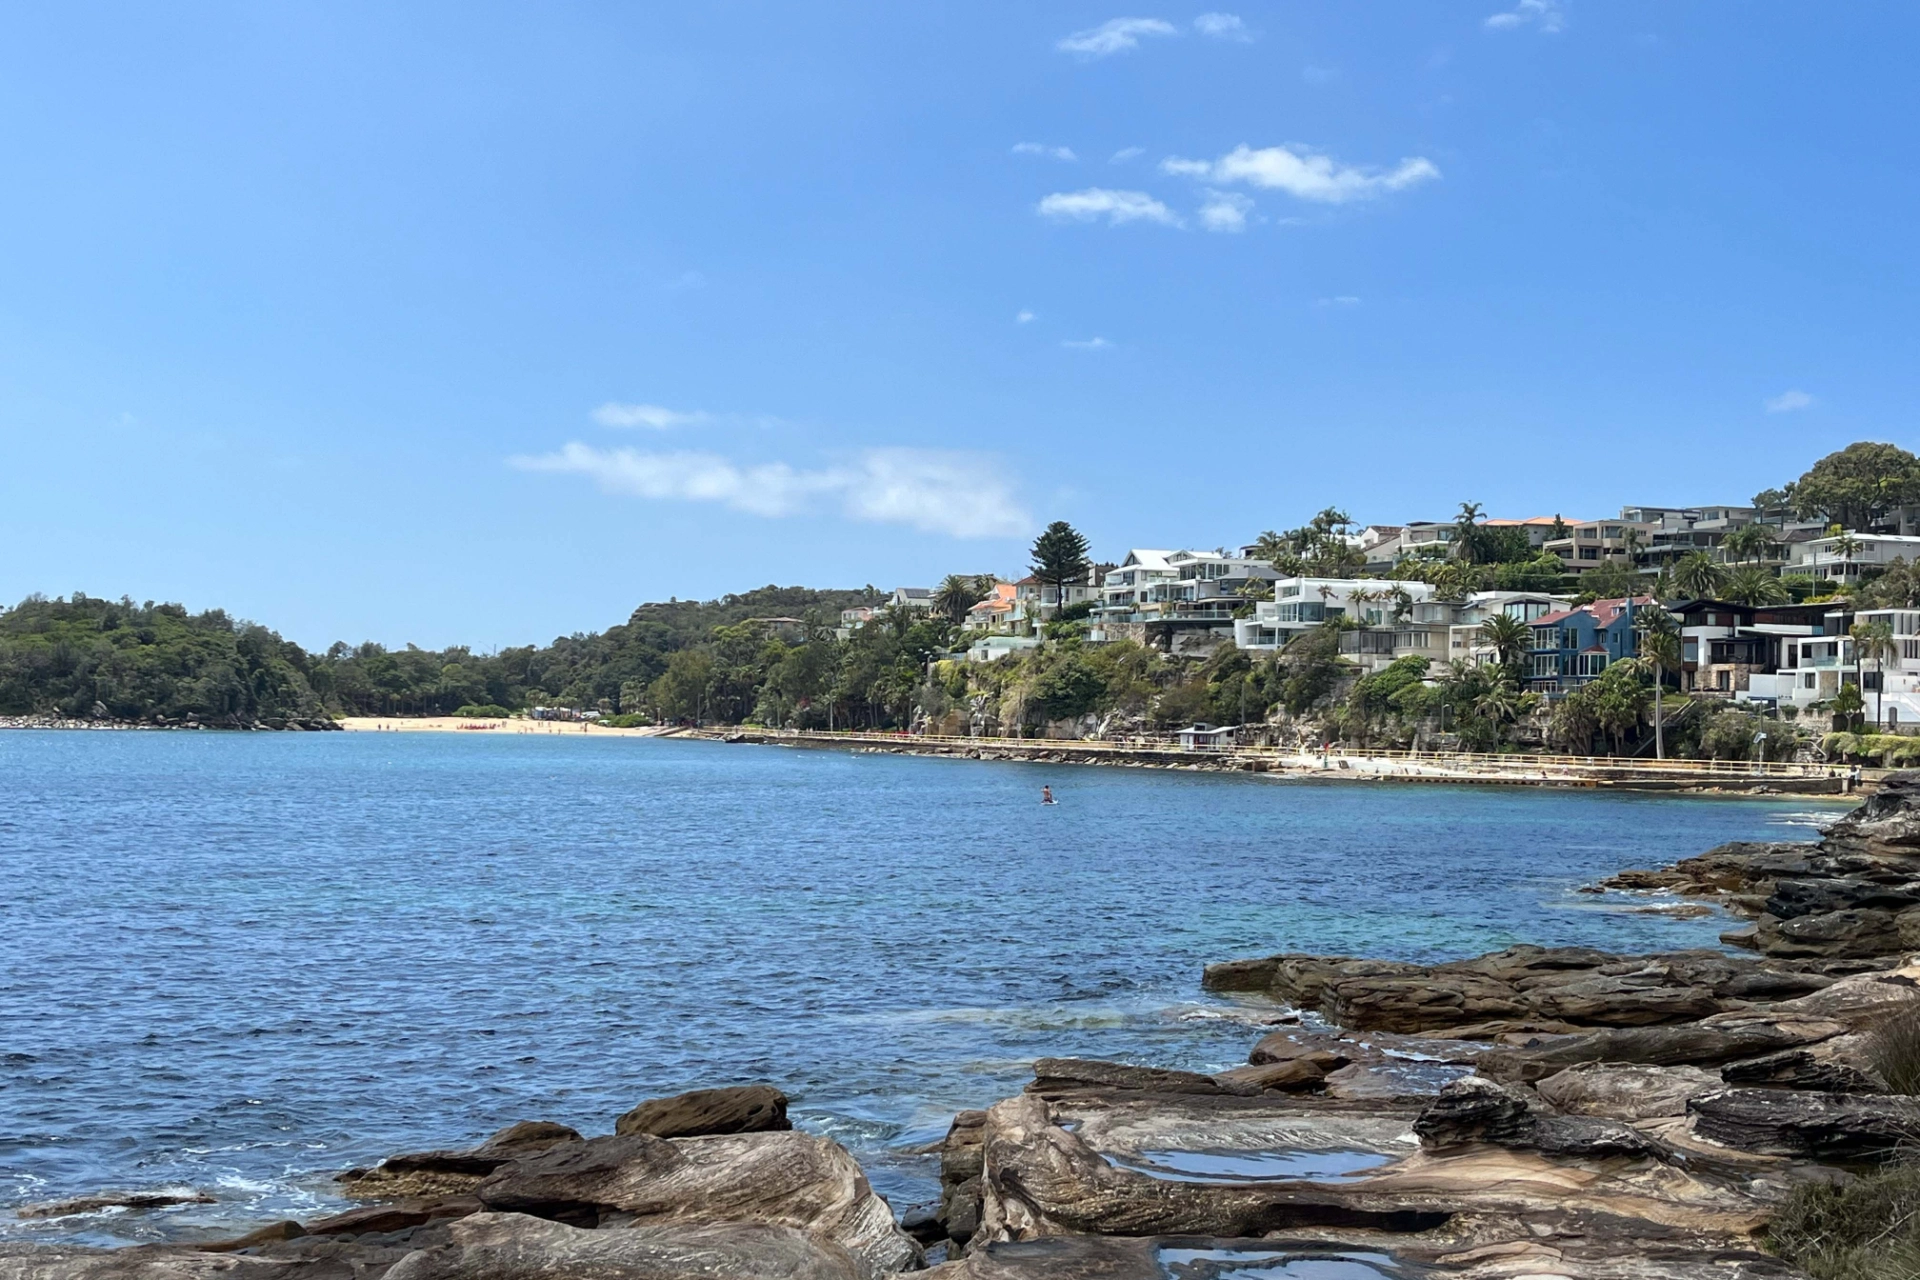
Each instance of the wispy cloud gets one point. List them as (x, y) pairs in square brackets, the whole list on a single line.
[(1116, 35), (959, 494), (1338, 300), (652, 416), (1319, 75), (1304, 174), (1547, 16), (1115, 206), (1042, 149), (1225, 211), (1086, 344), (1125, 154), (1024, 317), (1223, 26), (1789, 402)]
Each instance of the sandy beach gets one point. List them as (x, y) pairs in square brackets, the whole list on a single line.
[(462, 724)]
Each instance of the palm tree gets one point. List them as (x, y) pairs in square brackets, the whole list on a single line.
[(959, 592), (1508, 637), (1697, 576), (1847, 547), (1466, 531), (1750, 542), (1660, 650), (1873, 640), (1754, 584)]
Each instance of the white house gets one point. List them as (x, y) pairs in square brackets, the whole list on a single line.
[(1383, 609), (1178, 593), (1833, 558)]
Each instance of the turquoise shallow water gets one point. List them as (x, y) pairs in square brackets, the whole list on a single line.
[(243, 962)]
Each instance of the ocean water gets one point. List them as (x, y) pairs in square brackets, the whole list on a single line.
[(240, 963)]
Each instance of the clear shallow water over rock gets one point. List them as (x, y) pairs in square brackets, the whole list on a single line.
[(241, 963)]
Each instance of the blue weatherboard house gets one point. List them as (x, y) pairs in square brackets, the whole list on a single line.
[(1572, 646)]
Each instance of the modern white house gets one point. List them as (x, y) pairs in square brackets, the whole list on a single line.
[(1175, 595), (912, 598), (992, 648), (1844, 557), (1383, 609)]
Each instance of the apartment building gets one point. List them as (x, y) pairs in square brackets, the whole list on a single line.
[(1383, 610), (1171, 596), (1845, 557)]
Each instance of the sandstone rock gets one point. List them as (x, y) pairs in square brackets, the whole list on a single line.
[(1700, 1043), (744, 1109), (429, 1174), (1283, 1046), (274, 1232), (1293, 1075), (506, 1246), (1617, 1092), (1240, 975), (1055, 1077), (1853, 932), (1475, 1109), (1810, 895), (1840, 1065), (781, 1178), (961, 1163), (99, 1200), (1793, 1122)]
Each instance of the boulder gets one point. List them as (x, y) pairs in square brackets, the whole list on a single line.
[(1810, 895), (1292, 1075), (961, 1163), (1790, 1122), (1843, 1064), (782, 1178), (1610, 1091), (753, 1108), (508, 1246), (1477, 1110), (1285, 1045)]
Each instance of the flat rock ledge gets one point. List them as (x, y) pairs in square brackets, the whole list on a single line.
[(731, 1193)]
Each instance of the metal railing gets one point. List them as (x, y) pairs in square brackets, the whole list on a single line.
[(1485, 760)]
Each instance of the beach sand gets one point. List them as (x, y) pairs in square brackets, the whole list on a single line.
[(462, 724)]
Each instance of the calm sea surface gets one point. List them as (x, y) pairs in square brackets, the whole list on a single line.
[(242, 962)]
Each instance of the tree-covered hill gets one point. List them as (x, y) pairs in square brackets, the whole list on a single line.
[(86, 656)]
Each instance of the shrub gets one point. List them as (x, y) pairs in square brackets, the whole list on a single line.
[(629, 720), (484, 711), (1868, 1229)]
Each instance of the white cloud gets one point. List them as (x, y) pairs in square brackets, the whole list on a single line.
[(1319, 75), (1087, 344), (615, 414), (1789, 401), (1304, 174), (1117, 35), (963, 495), (1223, 26), (1547, 16), (1225, 211), (1339, 300), (1025, 317), (1115, 206), (1125, 154), (1041, 149)]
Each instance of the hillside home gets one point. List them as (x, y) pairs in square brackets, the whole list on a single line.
[(1572, 646)]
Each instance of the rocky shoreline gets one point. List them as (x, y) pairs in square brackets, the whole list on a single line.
[(1531, 1114), (318, 724)]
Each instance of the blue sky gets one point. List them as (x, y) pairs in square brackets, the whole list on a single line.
[(477, 323)]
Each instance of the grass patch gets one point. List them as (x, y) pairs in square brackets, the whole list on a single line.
[(1895, 1051), (1866, 1230)]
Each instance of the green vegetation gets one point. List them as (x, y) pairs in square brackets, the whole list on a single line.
[(1895, 1051), (1866, 1229), (490, 711), (1888, 750)]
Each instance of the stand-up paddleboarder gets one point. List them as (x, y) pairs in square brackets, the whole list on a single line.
[(1046, 796)]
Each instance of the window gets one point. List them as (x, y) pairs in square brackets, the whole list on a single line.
[(1910, 650), (1589, 664), (1809, 680), (1870, 680), (1722, 680), (1589, 553), (1545, 664)]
